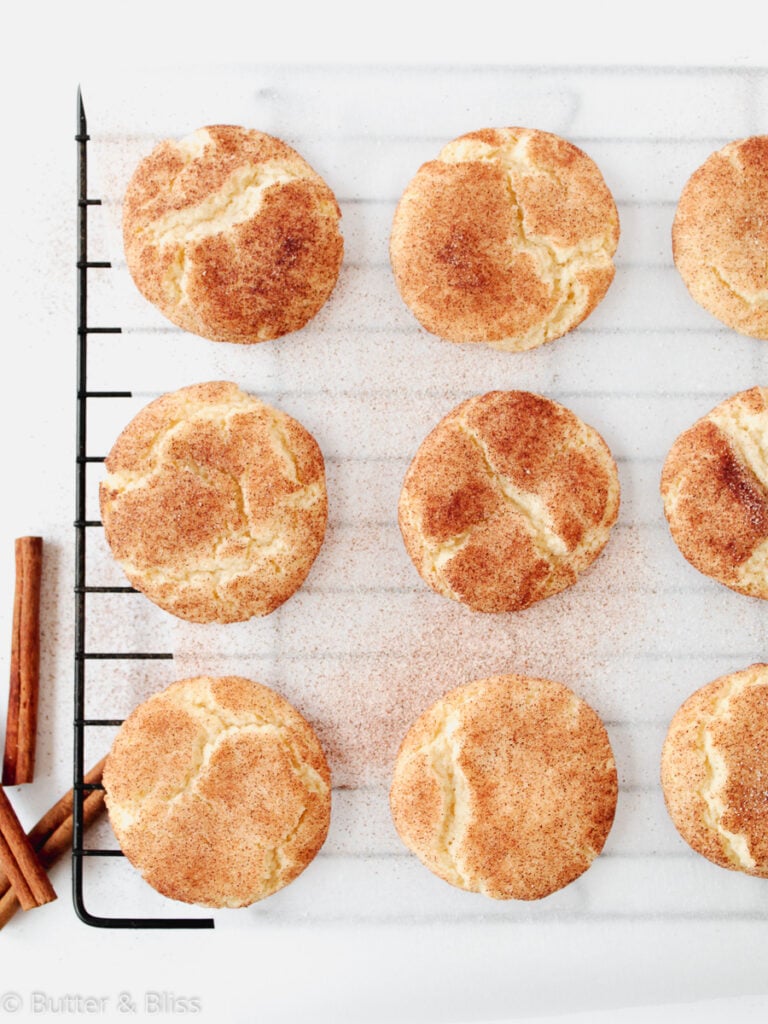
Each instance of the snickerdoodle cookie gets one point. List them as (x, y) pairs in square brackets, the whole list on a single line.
[(714, 768), (218, 791), (506, 786), (720, 235), (507, 238), (214, 503), (508, 499), (715, 490), (231, 234)]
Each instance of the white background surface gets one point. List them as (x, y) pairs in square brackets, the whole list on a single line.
[(293, 974)]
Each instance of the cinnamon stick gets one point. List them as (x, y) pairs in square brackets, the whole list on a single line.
[(52, 836), (59, 813), (20, 861), (21, 724)]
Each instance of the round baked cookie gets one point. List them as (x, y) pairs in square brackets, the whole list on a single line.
[(507, 786), (714, 767), (715, 490), (218, 791), (507, 238), (507, 501), (214, 503), (720, 235), (231, 234)]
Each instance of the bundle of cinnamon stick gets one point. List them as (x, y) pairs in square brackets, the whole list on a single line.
[(24, 859), (49, 840)]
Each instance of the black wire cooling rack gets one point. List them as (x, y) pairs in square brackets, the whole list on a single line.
[(82, 590)]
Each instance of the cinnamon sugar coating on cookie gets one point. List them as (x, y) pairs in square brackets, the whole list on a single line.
[(714, 769), (507, 501), (506, 786), (506, 238), (720, 235), (218, 791), (214, 503), (232, 235), (715, 490)]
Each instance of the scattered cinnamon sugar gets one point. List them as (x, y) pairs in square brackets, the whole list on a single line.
[(362, 664)]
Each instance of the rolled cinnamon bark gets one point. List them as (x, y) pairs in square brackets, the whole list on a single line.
[(21, 723), (20, 862)]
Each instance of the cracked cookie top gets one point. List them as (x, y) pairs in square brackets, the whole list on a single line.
[(232, 235), (720, 235), (714, 771), (506, 786), (507, 501), (715, 490), (507, 238), (218, 791), (214, 503)]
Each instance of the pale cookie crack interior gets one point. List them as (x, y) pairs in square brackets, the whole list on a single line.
[(747, 434), (558, 266), (732, 153), (216, 724), (443, 753), (751, 299), (531, 509), (238, 200), (530, 506), (735, 845)]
